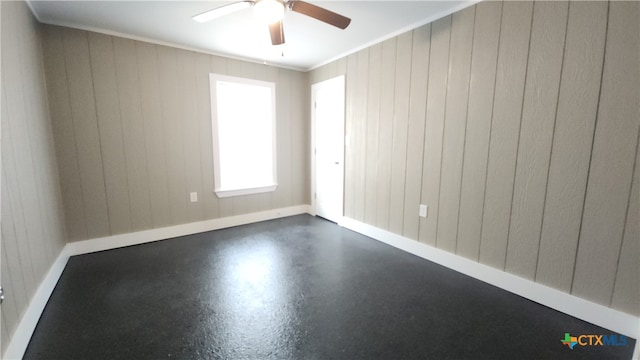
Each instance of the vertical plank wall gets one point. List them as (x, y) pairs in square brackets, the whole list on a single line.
[(132, 129), (33, 232), (518, 126)]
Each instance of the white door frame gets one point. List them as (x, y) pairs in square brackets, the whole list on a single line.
[(341, 143)]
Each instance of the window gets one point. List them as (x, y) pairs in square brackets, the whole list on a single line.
[(243, 113)]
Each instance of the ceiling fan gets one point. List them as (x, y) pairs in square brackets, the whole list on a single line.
[(272, 11)]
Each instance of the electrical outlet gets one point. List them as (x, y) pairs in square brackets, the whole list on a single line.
[(194, 197), (423, 211)]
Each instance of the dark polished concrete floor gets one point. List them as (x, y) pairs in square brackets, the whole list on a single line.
[(293, 288)]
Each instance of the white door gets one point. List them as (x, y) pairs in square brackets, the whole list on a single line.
[(328, 129)]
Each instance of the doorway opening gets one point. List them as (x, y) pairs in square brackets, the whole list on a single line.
[(328, 109)]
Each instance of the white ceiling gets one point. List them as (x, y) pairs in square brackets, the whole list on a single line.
[(309, 43)]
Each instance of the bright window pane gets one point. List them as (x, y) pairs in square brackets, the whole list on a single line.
[(244, 138)]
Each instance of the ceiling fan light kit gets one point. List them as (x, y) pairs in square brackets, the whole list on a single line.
[(271, 12)]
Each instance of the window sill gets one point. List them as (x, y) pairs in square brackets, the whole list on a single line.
[(237, 192)]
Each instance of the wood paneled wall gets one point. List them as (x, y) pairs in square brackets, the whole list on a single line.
[(132, 128), (517, 123), (33, 231)]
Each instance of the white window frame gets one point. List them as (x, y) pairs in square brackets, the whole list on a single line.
[(222, 192)]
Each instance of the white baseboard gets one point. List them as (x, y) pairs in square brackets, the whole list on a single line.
[(588, 311), (594, 313), (141, 237), (20, 340), (27, 325)]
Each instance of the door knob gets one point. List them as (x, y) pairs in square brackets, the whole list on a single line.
[(1, 294)]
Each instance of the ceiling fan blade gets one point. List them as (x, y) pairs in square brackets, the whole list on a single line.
[(319, 13), (222, 11), (277, 33)]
